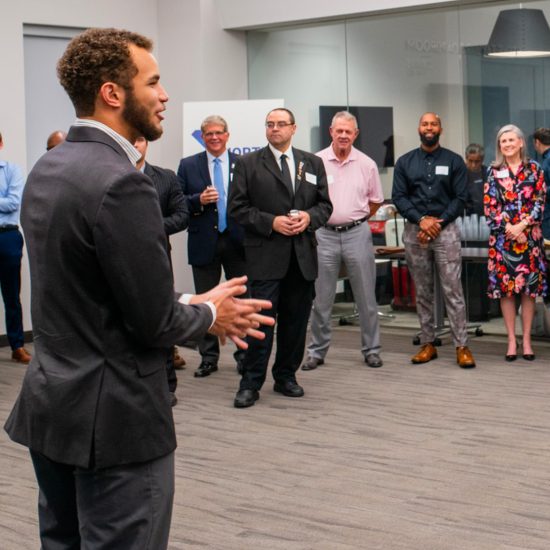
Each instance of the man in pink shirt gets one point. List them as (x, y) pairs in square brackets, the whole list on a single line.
[(356, 193)]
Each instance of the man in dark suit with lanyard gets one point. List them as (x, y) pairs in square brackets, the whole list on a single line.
[(280, 196), (214, 241), (175, 218), (94, 408)]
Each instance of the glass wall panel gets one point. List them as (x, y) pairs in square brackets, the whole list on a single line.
[(412, 63), (306, 66), (500, 91)]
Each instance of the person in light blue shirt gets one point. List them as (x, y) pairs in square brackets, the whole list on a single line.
[(11, 252)]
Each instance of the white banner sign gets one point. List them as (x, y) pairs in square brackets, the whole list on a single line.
[(245, 120)]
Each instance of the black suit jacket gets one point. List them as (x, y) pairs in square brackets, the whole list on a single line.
[(103, 309), (173, 206), (258, 194), (194, 177)]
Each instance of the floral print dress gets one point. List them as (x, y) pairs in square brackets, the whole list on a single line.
[(515, 268)]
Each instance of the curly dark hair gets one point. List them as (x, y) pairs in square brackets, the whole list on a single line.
[(94, 57)]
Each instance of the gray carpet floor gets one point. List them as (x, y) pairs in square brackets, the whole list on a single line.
[(406, 457)]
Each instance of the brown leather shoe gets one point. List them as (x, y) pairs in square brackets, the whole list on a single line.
[(21, 355), (178, 360), (464, 358), (427, 353)]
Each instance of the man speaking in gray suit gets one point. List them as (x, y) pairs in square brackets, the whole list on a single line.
[(94, 408)]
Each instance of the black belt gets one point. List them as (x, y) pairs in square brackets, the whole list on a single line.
[(4, 228), (347, 226)]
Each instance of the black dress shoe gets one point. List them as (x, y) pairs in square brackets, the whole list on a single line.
[(511, 357), (205, 369), (289, 388), (529, 356), (373, 360), (246, 398), (312, 363)]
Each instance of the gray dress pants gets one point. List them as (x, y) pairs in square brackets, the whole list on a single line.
[(354, 249), (127, 507)]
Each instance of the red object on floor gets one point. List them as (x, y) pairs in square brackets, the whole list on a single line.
[(404, 295)]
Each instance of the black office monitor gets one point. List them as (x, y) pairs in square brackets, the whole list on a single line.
[(376, 131)]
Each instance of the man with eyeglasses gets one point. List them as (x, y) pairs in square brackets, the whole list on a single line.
[(214, 241), (280, 196)]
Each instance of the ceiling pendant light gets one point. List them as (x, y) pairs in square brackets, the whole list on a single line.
[(520, 33)]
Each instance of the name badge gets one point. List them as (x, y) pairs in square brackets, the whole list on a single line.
[(441, 170), (330, 178), (311, 178), (503, 173)]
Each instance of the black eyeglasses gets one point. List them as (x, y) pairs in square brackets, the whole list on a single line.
[(272, 125)]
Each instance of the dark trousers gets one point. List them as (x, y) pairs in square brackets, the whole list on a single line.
[(292, 298), (171, 371), (125, 507), (11, 251), (230, 257)]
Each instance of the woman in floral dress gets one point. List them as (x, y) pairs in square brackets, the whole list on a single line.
[(514, 201)]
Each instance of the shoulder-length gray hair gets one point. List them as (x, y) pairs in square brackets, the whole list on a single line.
[(499, 157)]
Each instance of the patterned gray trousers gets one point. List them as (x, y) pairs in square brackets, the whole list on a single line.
[(445, 251)]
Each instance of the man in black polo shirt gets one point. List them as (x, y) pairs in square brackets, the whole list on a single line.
[(429, 190)]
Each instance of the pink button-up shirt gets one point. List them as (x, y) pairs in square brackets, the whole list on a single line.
[(352, 184)]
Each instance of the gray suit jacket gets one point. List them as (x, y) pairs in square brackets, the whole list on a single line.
[(103, 309)]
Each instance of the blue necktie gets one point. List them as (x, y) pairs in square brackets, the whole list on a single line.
[(218, 184)]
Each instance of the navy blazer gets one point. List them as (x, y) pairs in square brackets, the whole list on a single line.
[(103, 309), (175, 213), (194, 178)]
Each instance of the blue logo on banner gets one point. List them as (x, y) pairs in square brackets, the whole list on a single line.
[(243, 150), (197, 134)]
